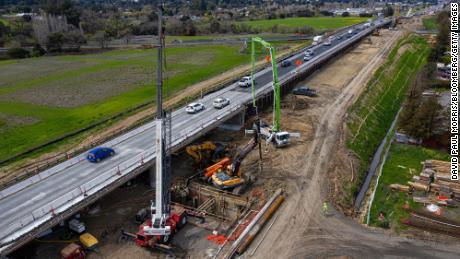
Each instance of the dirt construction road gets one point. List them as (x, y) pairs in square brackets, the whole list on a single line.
[(301, 230)]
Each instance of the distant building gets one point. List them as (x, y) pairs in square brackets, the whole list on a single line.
[(351, 11)]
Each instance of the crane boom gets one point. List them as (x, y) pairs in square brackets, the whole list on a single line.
[(160, 208)]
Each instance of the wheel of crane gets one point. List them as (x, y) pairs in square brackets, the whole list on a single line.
[(164, 239), (182, 221)]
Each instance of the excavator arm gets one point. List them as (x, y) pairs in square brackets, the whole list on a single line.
[(195, 151), (242, 155)]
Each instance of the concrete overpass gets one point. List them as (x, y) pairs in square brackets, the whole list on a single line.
[(42, 201)]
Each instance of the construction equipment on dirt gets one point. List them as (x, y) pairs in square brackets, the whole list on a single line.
[(231, 177), (226, 174), (202, 153), (270, 133), (164, 218), (376, 32), (77, 250), (73, 251)]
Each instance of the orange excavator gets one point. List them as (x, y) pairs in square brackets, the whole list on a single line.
[(226, 173)]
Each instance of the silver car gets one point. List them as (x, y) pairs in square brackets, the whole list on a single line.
[(220, 102), (194, 107)]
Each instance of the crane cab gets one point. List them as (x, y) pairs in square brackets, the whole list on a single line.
[(176, 220)]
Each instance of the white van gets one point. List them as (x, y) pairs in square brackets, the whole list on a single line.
[(77, 226)]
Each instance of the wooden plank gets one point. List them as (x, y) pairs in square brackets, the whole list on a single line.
[(399, 187), (419, 186)]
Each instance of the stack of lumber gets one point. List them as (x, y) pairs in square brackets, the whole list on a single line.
[(442, 183), (434, 179), (434, 200)]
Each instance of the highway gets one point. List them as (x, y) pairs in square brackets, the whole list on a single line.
[(29, 207)]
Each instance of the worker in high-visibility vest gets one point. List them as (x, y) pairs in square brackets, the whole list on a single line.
[(325, 208)]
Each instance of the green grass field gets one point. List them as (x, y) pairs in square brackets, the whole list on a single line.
[(171, 38), (430, 23), (317, 23), (44, 98), (371, 116), (47, 97), (402, 159)]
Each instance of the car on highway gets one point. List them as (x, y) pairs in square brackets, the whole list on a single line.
[(307, 58), (309, 52), (286, 63), (328, 43), (220, 102), (245, 81), (100, 153), (305, 91), (194, 107)]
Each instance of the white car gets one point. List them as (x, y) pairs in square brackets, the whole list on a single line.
[(309, 52), (220, 102), (245, 81), (194, 107), (306, 58), (327, 43)]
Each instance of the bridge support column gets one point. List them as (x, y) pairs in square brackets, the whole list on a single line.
[(152, 177), (235, 123)]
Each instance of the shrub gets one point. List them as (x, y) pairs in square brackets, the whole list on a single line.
[(38, 51), (18, 53)]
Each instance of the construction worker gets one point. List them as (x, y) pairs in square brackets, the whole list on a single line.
[(325, 208)]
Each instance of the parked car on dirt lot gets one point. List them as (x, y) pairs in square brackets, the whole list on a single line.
[(305, 91), (220, 102), (100, 153), (194, 107)]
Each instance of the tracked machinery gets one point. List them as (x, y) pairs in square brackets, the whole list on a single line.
[(164, 219), (230, 176), (204, 152), (226, 174)]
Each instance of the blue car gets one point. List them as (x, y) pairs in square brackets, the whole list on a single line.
[(99, 153)]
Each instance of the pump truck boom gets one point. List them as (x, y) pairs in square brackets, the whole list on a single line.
[(273, 133)]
